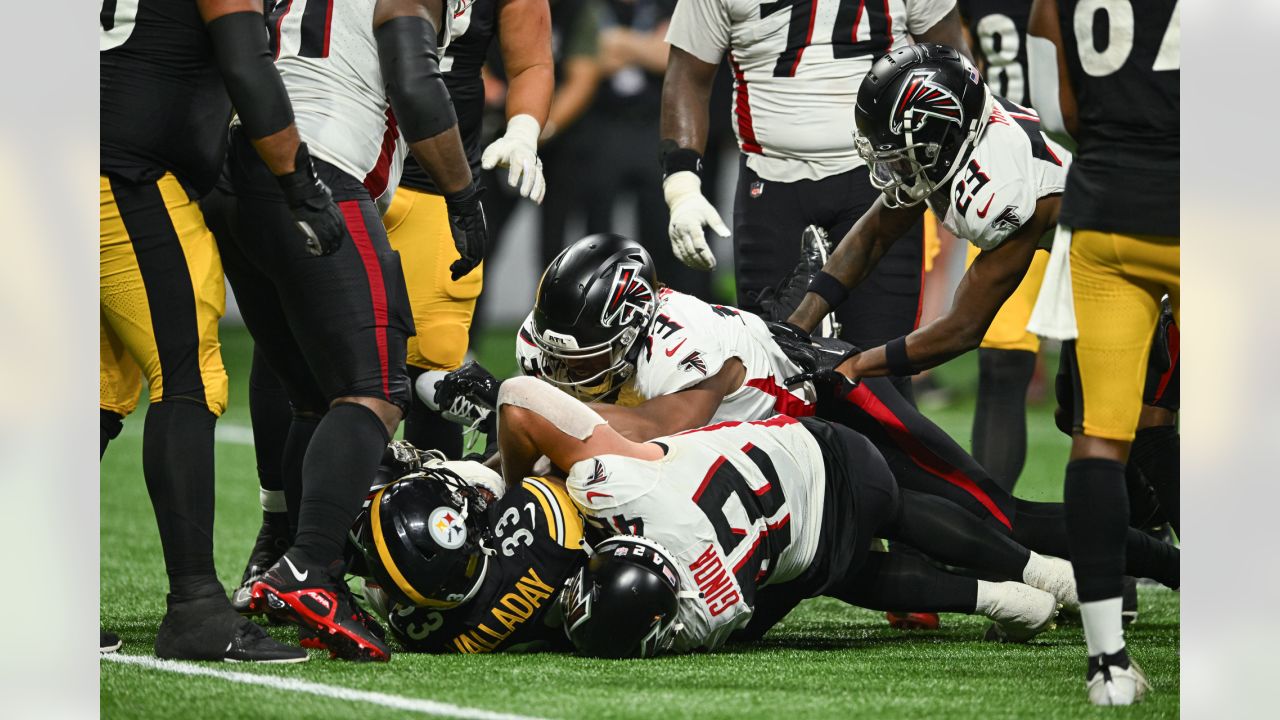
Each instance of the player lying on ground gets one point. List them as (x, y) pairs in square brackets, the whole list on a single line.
[(671, 362), (736, 507), (456, 562)]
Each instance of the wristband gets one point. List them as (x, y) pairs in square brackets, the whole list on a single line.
[(674, 159), (829, 289), (895, 357)]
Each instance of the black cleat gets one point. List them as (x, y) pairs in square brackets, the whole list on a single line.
[(110, 642), (317, 598), (208, 629), (273, 539)]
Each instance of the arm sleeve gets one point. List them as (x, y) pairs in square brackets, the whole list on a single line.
[(701, 28), (924, 14)]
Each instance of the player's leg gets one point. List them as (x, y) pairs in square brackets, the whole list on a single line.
[(162, 294), (768, 220), (418, 228), (119, 384), (1006, 363), (1155, 446), (1117, 282)]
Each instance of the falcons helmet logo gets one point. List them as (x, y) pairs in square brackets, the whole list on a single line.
[(922, 98), (631, 294)]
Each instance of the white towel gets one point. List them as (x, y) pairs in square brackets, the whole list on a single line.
[(1055, 313)]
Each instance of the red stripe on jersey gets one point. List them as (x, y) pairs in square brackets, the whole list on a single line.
[(888, 26), (377, 289), (328, 26), (742, 108), (921, 455), (808, 37), (707, 479), (1053, 154), (775, 421), (380, 176), (783, 401), (279, 24), (775, 525)]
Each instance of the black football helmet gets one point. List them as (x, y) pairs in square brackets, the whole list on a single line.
[(920, 109), (423, 538), (623, 602), (593, 308)]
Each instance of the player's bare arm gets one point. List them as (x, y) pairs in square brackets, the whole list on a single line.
[(985, 287), (856, 256), (686, 94), (949, 30), (1051, 91), (677, 412)]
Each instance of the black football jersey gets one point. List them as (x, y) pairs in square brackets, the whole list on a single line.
[(461, 66), (537, 542), (999, 31), (163, 104), (1123, 59)]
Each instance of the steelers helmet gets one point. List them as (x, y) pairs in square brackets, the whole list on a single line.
[(920, 109), (593, 309), (423, 538), (624, 602)]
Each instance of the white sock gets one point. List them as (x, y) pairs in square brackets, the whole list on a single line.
[(988, 594), (1103, 631)]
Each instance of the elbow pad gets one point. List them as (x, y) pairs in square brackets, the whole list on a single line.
[(256, 90), (407, 53)]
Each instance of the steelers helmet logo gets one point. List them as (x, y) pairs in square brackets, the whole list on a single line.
[(447, 528)]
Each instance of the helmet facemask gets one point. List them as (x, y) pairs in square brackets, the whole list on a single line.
[(591, 372)]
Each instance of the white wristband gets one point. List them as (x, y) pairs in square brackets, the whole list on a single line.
[(524, 129)]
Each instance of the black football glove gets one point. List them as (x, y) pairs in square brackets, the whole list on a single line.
[(311, 203), (470, 232), (472, 382), (817, 358)]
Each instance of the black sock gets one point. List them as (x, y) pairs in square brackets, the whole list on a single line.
[(1155, 453), (1041, 527), (339, 467), (948, 533), (177, 462), (899, 582), (428, 430), (109, 426), (1144, 507), (1000, 415), (301, 430), (271, 416), (1097, 513), (1149, 557)]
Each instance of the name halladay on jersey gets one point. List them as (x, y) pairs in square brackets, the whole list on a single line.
[(525, 599)]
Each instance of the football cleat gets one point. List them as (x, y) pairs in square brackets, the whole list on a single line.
[(1056, 577), (1115, 680), (272, 541), (315, 597), (913, 620), (1020, 612), (208, 629), (109, 643)]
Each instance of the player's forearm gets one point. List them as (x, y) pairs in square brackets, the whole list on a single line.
[(529, 93), (445, 160), (932, 345), (686, 95), (573, 97)]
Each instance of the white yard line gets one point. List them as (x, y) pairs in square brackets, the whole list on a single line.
[(426, 707)]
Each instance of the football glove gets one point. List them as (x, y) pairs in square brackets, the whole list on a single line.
[(517, 150), (470, 232), (690, 211), (817, 358), (312, 206)]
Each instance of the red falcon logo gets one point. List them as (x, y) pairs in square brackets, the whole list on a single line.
[(598, 474), (631, 294), (922, 98), (693, 362)]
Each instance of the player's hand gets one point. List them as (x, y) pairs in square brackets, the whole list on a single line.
[(817, 359), (517, 150), (690, 211), (470, 232), (311, 203)]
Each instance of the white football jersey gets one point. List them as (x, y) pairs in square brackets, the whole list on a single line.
[(328, 59), (738, 506), (689, 341), (1012, 165), (797, 67)]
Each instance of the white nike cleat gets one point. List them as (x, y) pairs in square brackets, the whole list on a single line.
[(1056, 577), (461, 411), (1112, 682), (1019, 612)]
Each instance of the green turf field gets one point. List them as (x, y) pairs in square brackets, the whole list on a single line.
[(825, 660)]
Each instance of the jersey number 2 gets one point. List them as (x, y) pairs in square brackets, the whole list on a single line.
[(850, 14)]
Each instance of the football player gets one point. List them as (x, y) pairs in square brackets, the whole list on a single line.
[(170, 72), (736, 507), (456, 562), (662, 362), (1117, 254), (331, 318), (796, 68)]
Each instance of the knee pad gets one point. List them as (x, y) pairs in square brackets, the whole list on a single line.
[(439, 346)]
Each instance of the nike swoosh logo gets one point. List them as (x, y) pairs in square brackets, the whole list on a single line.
[(676, 349), (593, 494), (983, 212), (302, 576)]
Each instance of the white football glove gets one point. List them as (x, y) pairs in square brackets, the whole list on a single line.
[(517, 150), (689, 212)]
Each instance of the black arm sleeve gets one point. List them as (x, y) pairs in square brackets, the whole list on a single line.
[(255, 87), (407, 53)]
